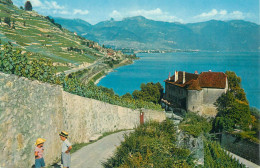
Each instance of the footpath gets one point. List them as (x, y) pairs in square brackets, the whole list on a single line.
[(94, 154)]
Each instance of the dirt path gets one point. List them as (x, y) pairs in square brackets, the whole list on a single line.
[(94, 154)]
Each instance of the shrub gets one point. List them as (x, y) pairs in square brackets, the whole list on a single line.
[(7, 20), (151, 145), (13, 62), (195, 125)]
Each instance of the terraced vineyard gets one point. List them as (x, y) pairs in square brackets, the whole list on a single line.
[(39, 37)]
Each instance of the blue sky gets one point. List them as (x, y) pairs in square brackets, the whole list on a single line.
[(184, 11)]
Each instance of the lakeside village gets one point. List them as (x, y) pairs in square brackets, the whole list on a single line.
[(135, 51)]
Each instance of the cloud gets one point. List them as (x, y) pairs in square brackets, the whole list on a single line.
[(237, 15), (220, 15), (81, 12), (213, 12), (52, 5), (223, 12), (116, 15), (154, 14), (143, 12), (64, 12)]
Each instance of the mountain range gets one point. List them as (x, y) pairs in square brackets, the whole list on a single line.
[(140, 33)]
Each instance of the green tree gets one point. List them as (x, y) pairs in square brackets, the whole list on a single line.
[(232, 113), (28, 6), (149, 92), (233, 108), (127, 96), (234, 83)]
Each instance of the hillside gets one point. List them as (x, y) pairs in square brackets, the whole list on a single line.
[(41, 37), (141, 33)]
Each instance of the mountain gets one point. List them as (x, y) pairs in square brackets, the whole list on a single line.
[(75, 25), (141, 33)]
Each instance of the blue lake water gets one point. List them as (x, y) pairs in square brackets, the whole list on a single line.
[(156, 68)]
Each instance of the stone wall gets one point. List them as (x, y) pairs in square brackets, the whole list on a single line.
[(30, 109), (243, 148)]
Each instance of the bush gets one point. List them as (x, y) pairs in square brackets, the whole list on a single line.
[(195, 125), (13, 62), (151, 145), (7, 20)]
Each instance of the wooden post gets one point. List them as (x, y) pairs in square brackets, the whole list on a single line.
[(141, 118)]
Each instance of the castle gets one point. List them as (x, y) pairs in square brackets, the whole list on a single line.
[(195, 92)]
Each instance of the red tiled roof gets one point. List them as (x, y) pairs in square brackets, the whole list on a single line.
[(212, 80), (203, 80)]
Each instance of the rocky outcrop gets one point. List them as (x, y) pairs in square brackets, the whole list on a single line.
[(194, 144), (31, 109)]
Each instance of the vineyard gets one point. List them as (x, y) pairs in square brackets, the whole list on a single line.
[(12, 61)]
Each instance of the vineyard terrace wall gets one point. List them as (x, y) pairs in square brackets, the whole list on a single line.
[(31, 109)]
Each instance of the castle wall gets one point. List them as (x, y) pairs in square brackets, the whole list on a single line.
[(31, 109), (194, 101), (176, 95), (210, 95)]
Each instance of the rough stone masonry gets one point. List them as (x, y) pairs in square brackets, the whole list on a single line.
[(31, 109)]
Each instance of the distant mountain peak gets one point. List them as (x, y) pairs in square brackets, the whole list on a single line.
[(139, 18)]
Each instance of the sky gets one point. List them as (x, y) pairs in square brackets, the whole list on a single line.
[(183, 11)]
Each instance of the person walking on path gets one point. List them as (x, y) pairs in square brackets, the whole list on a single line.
[(65, 150), (38, 153)]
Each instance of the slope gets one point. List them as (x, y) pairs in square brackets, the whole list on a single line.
[(40, 36)]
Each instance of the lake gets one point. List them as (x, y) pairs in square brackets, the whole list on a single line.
[(156, 67)]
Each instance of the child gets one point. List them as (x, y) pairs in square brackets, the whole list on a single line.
[(38, 152), (65, 151)]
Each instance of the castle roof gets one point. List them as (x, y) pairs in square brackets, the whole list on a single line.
[(199, 81)]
